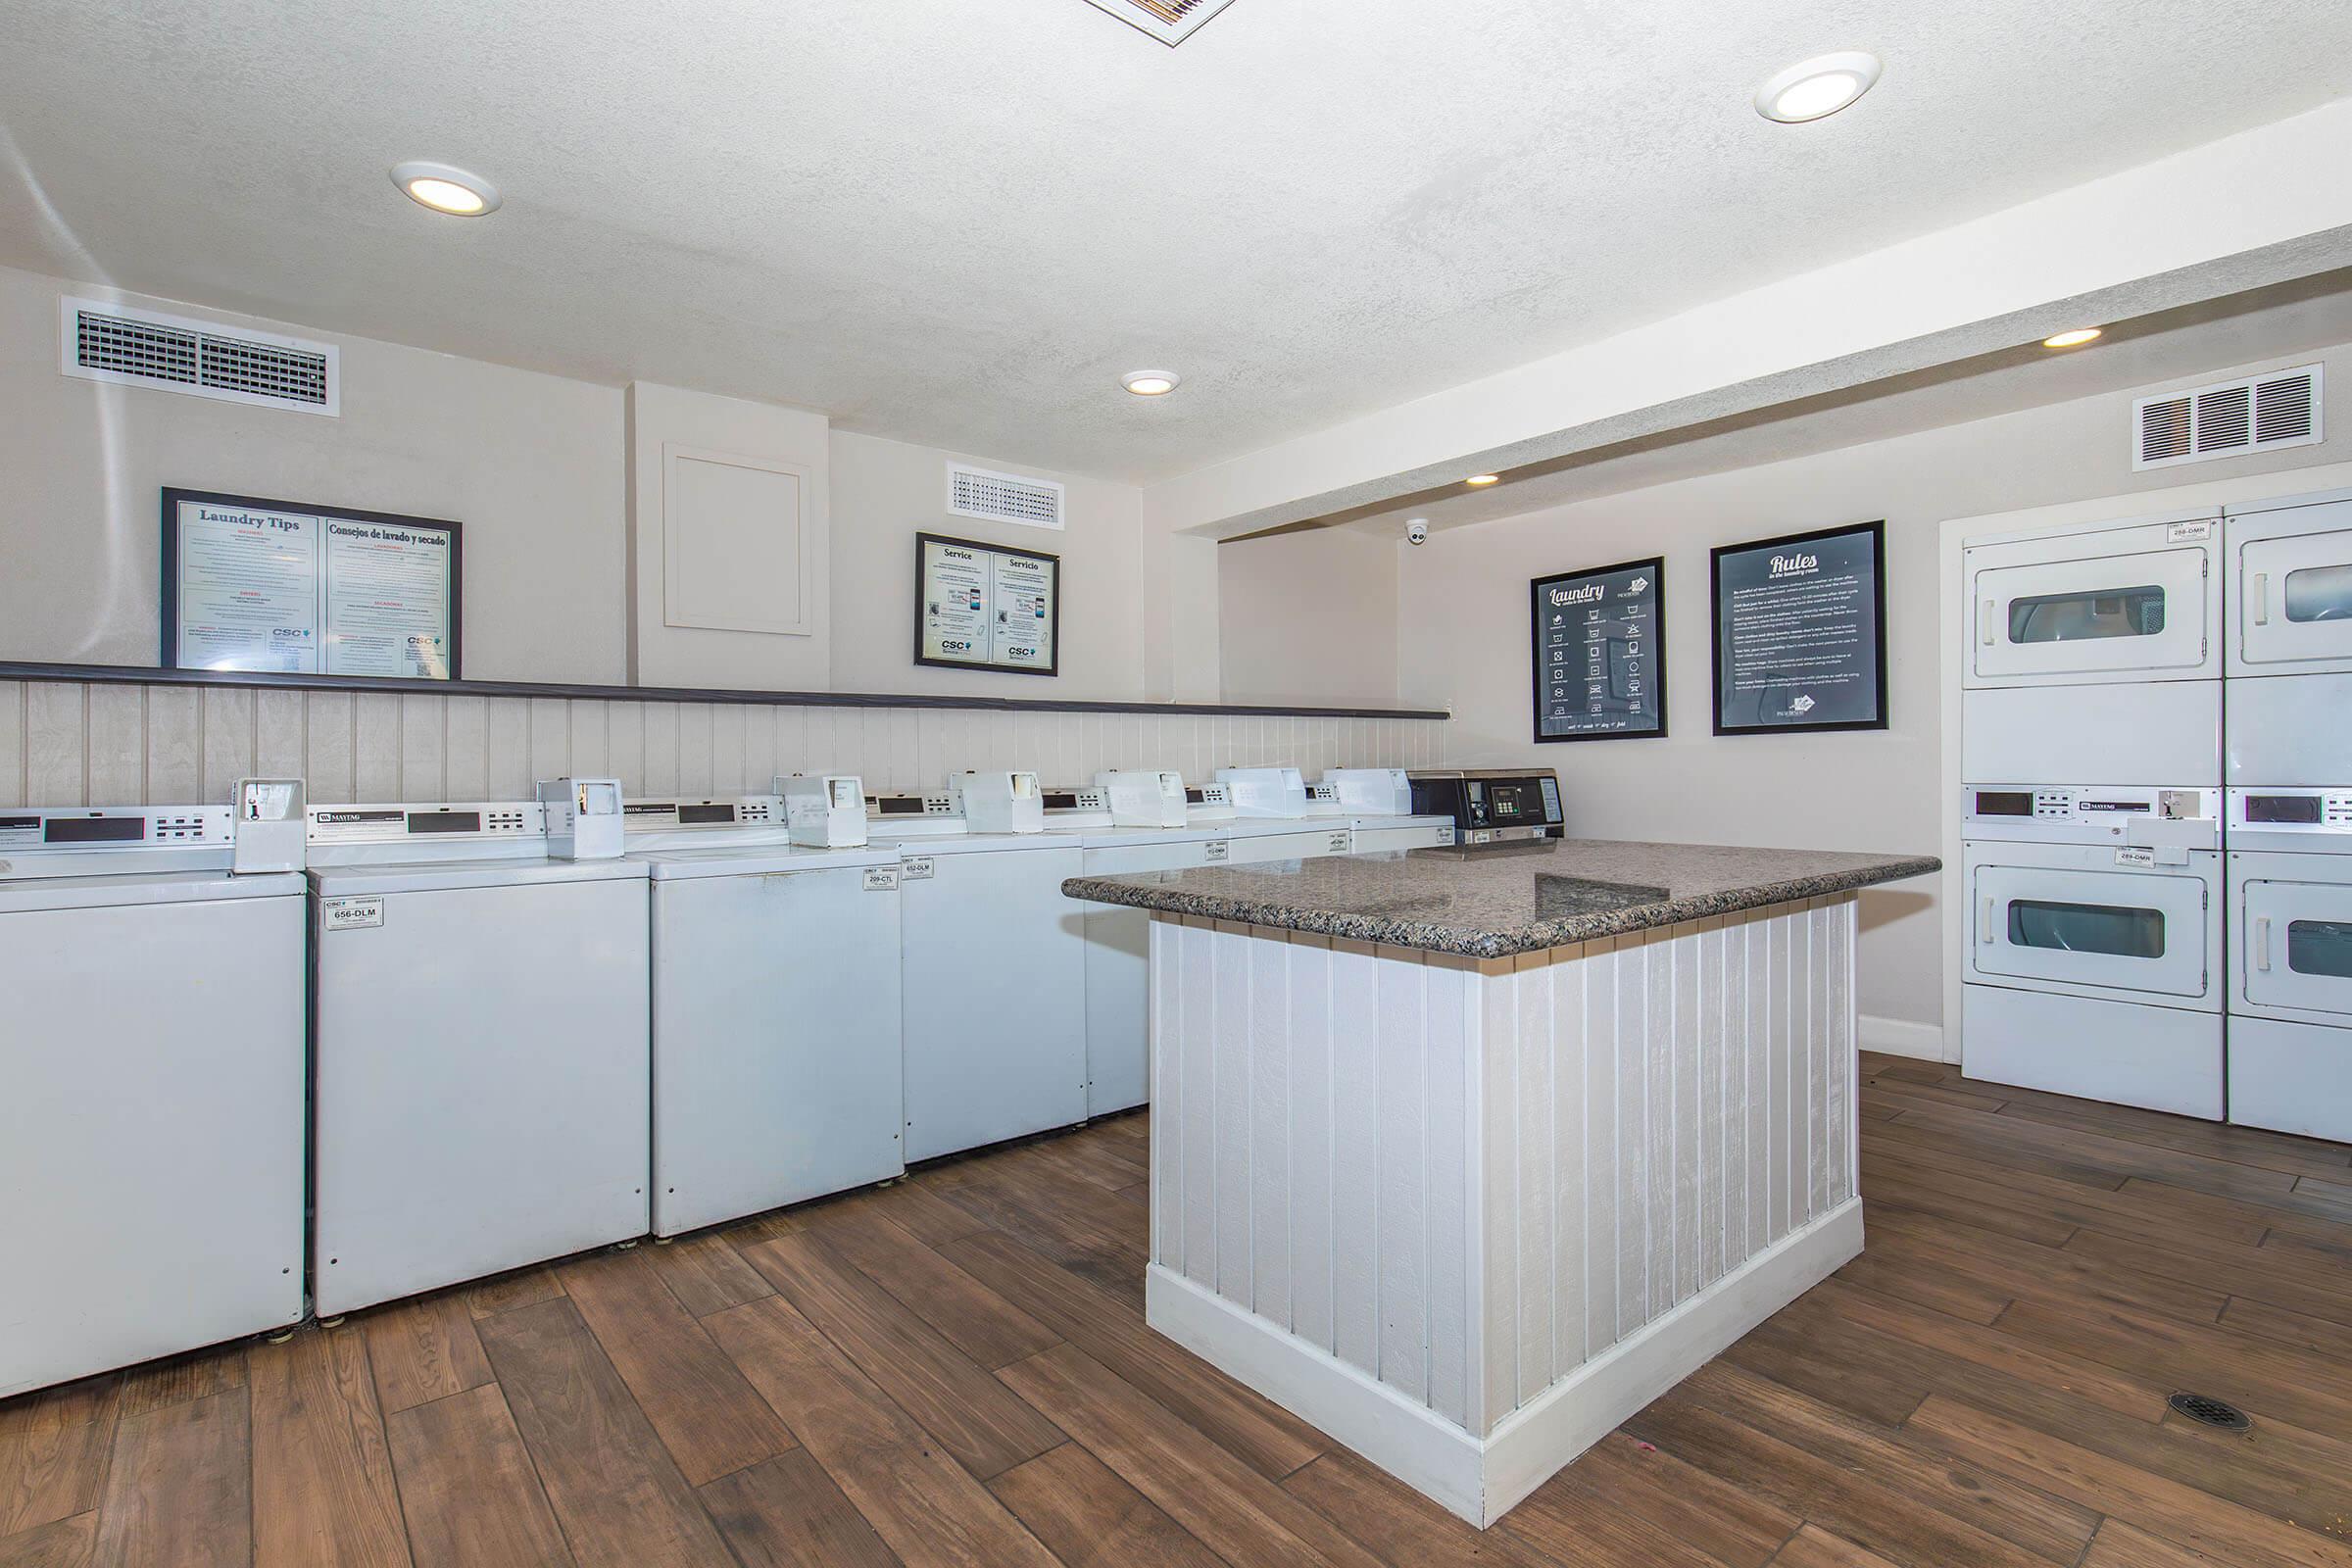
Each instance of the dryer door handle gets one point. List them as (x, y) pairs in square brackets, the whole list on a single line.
[(1985, 621), (2262, 599), (1985, 925), (2262, 943)]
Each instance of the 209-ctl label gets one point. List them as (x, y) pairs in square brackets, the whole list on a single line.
[(349, 915)]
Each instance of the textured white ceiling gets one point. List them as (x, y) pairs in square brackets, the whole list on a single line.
[(959, 224)]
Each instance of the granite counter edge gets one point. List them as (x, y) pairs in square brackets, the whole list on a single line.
[(1473, 943)]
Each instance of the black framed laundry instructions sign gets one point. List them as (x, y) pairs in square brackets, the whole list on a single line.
[(981, 606), (282, 587), (1800, 632), (1601, 652)]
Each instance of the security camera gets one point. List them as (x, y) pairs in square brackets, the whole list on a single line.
[(1417, 530)]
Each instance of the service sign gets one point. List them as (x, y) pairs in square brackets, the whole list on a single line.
[(277, 587), (1601, 652), (1800, 632), (982, 607)]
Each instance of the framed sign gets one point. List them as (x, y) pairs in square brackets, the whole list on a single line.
[(980, 607), (1800, 632), (1600, 649), (293, 589)]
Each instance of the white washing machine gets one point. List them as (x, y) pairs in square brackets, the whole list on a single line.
[(150, 1089), (2291, 995), (480, 1045), (992, 976), (2094, 956), (1378, 803), (776, 1069)]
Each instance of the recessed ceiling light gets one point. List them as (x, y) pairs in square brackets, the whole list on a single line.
[(1483, 478), (1150, 383), (1812, 89), (445, 188), (2071, 340)]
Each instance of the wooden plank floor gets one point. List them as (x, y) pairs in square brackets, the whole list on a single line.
[(954, 1371)]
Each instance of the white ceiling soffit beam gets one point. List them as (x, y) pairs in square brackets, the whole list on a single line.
[(2263, 207)]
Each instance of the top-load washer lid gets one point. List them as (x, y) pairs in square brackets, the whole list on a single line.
[(764, 859), (142, 887), (441, 876)]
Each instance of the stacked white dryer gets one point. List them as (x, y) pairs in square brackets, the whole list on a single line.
[(2289, 729), (2090, 756)]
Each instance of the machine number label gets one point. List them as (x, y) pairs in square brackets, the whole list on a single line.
[(881, 879), (2135, 854), (915, 868), (349, 915), (1216, 850), (1445, 835), (2182, 533), (1341, 843)]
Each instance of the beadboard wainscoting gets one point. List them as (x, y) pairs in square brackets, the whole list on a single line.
[(95, 743), (1469, 1215)]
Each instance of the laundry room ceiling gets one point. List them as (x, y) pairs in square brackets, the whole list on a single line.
[(961, 224)]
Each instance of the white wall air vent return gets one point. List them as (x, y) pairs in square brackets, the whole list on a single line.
[(2227, 419), (102, 342), (1003, 497), (1171, 22)]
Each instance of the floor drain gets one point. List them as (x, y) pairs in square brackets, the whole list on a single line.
[(2210, 1412)]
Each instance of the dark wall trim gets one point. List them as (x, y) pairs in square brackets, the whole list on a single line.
[(143, 675)]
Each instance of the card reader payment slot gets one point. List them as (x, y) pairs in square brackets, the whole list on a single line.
[(999, 803), (825, 811)]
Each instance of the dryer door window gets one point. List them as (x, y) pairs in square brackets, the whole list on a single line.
[(2295, 596), (2104, 615), (2298, 945), (2117, 930)]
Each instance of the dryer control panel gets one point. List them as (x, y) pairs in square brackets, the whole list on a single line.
[(2291, 817), (2092, 813), (506, 820)]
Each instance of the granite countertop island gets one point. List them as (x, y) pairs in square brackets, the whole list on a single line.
[(1466, 1154), (1497, 901)]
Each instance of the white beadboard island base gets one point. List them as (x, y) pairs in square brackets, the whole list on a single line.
[(1468, 1214)]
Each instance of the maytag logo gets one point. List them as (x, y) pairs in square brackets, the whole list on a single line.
[(1592, 593), (1794, 565)]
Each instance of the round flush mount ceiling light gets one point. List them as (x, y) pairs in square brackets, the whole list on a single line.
[(445, 188), (1813, 89), (1150, 383), (2073, 339), (1483, 479)]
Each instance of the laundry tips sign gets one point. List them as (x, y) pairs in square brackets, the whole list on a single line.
[(1800, 632)]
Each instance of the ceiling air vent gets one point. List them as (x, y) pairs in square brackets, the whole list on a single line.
[(102, 342), (1003, 497), (1171, 22), (2227, 419)]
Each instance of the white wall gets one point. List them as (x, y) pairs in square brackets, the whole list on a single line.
[(536, 468), (1461, 636), (532, 465), (1292, 613), (669, 420), (886, 492)]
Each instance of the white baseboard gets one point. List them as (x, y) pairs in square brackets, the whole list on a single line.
[(1901, 1037), (1483, 1480)]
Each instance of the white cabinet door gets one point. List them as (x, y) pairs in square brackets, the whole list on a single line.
[(481, 1086), (2132, 615), (1118, 978), (2297, 946), (2120, 930), (994, 987), (2294, 591), (776, 1049)]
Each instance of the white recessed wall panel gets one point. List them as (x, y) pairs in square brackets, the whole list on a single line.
[(735, 541)]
